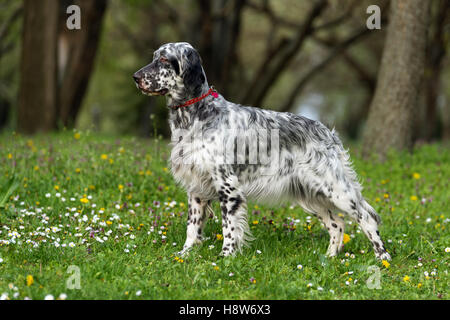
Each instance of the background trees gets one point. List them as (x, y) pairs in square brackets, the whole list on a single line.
[(392, 112), (316, 58)]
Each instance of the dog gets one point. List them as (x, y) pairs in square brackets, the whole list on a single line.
[(213, 147)]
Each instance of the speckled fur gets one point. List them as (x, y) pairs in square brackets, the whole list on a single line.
[(313, 169)]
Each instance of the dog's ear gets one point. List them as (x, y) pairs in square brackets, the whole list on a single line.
[(175, 65), (193, 76)]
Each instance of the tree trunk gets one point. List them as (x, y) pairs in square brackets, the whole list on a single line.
[(391, 115), (218, 39), (82, 50), (436, 52), (38, 83)]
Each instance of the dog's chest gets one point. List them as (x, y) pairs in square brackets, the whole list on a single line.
[(192, 164)]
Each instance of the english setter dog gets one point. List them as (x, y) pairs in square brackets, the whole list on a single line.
[(218, 154)]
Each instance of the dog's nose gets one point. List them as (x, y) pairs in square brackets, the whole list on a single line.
[(136, 77)]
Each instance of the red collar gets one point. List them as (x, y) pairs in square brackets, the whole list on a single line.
[(211, 91)]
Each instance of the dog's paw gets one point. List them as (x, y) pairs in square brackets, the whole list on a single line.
[(384, 256), (184, 252)]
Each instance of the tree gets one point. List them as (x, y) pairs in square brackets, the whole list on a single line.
[(80, 48), (391, 115), (38, 79)]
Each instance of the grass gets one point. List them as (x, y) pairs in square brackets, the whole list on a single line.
[(109, 206)]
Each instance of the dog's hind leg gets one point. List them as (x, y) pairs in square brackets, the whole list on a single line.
[(197, 217), (334, 225), (367, 218)]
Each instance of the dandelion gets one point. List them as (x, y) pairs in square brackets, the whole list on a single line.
[(30, 280), (219, 237), (346, 238), (419, 285), (77, 136), (413, 198), (406, 278), (84, 200), (10, 156), (385, 263), (416, 175), (104, 156)]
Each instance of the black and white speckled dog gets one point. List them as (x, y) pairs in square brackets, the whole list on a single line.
[(311, 169)]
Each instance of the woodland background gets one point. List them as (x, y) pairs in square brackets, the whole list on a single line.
[(388, 88)]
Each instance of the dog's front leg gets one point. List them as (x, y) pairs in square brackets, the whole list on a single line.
[(234, 217), (196, 222)]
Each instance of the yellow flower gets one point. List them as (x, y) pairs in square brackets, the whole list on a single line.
[(216, 268), (108, 223), (165, 169), (346, 238), (120, 187), (104, 156), (77, 170), (419, 285), (219, 237), (255, 222), (386, 195), (10, 156), (36, 168), (56, 187), (30, 280), (385, 263), (406, 278), (377, 199), (84, 200), (77, 135), (416, 175), (413, 198), (111, 161)]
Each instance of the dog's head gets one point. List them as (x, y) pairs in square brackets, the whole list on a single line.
[(176, 71)]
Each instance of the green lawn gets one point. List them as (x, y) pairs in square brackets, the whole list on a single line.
[(109, 207)]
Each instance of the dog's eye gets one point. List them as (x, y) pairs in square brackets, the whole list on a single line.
[(164, 59)]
